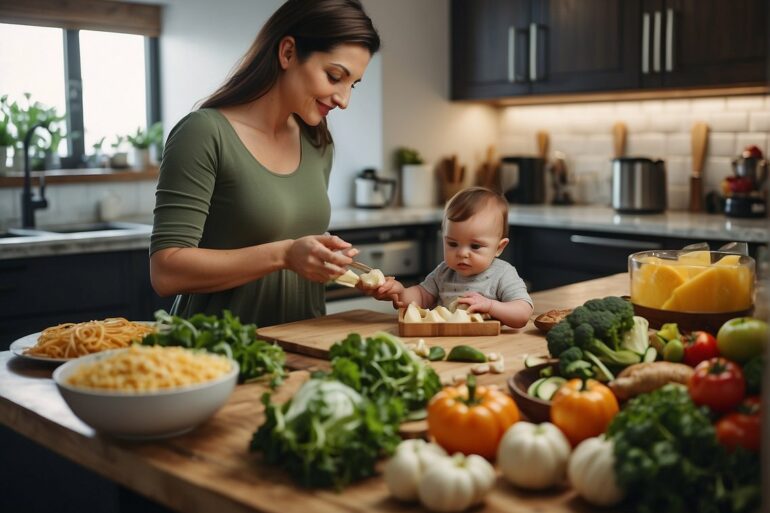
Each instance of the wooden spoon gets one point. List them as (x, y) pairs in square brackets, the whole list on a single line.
[(619, 136), (542, 144), (700, 134)]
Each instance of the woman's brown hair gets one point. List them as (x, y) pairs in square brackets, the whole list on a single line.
[(316, 26), (469, 201)]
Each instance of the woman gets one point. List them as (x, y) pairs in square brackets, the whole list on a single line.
[(242, 195)]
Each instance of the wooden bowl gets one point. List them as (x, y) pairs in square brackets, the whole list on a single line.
[(536, 410), (544, 322), (688, 321)]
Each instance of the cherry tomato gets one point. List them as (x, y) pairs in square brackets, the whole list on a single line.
[(717, 383), (741, 428), (699, 346)]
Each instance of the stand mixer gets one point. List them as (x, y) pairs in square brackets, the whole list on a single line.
[(743, 190)]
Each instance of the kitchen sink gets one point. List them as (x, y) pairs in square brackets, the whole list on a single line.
[(92, 227)]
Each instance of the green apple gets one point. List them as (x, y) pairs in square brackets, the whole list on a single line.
[(673, 351), (742, 338)]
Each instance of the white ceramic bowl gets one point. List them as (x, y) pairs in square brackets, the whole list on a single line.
[(144, 415)]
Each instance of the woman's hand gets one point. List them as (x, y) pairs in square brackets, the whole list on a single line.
[(319, 258), (476, 302)]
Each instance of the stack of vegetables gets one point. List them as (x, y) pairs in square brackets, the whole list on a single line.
[(601, 336), (337, 426)]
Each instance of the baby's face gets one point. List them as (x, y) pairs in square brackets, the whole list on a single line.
[(470, 246)]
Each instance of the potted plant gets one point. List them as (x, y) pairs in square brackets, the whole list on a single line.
[(141, 141), (119, 158), (97, 158), (6, 137), (417, 181)]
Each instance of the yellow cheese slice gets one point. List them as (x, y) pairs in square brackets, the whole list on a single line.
[(653, 284)]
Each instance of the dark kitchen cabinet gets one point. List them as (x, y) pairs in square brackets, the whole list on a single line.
[(693, 43), (43, 291), (548, 258), (539, 47)]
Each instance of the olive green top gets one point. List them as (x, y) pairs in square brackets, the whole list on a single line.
[(212, 193)]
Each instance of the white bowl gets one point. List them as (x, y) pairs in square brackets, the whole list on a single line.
[(143, 415)]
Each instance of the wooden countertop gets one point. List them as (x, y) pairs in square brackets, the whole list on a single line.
[(210, 469)]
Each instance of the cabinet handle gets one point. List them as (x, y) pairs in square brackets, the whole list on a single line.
[(670, 39), (646, 43), (511, 54), (656, 35), (533, 52), (614, 243)]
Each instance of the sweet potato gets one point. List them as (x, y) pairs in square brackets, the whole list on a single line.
[(641, 378)]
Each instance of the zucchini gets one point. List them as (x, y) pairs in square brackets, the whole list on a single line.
[(600, 370), (465, 353), (532, 390), (650, 355), (532, 361), (547, 388)]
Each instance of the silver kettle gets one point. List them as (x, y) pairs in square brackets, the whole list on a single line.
[(373, 191), (638, 185)]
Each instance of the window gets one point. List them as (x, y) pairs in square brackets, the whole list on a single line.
[(94, 61)]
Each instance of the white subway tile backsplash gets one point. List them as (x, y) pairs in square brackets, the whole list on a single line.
[(721, 144), (708, 104), (715, 170), (10, 209), (646, 145), (743, 103), (678, 197), (728, 121), (582, 165), (759, 121), (600, 144), (678, 170), (571, 144), (678, 144), (515, 144), (677, 106), (146, 197), (747, 139)]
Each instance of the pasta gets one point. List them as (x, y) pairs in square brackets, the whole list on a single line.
[(147, 369), (70, 340)]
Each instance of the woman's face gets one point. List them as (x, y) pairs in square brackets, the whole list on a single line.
[(323, 81), (471, 245)]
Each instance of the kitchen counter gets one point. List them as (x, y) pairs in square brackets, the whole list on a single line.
[(675, 224), (210, 469)]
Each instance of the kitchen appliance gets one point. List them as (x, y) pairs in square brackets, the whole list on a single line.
[(638, 185), (522, 179), (373, 191), (745, 187)]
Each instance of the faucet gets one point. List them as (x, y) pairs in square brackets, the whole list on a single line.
[(30, 203)]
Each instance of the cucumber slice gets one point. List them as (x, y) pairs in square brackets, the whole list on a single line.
[(601, 370), (650, 355), (549, 387), (533, 361), (532, 390)]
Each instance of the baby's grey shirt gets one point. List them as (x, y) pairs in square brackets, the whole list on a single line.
[(499, 281)]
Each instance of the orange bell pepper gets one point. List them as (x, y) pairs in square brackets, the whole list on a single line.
[(583, 409), (471, 419)]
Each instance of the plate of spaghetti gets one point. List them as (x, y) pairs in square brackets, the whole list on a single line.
[(67, 341)]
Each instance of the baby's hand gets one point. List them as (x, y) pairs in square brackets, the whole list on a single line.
[(388, 291), (476, 302)]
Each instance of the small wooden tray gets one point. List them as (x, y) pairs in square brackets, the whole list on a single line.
[(446, 329)]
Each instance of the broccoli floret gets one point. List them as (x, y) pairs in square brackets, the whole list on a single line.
[(622, 309), (560, 338), (606, 327), (578, 316), (594, 305), (584, 334)]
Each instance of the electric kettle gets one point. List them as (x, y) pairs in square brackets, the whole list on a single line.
[(373, 191)]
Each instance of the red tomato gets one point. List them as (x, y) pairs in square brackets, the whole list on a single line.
[(741, 428), (699, 346), (717, 383)]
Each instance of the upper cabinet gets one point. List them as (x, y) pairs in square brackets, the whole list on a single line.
[(537, 47)]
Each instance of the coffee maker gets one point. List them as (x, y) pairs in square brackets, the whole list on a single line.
[(522, 179), (743, 190)]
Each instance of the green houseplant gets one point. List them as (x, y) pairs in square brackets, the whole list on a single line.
[(142, 141), (417, 181)]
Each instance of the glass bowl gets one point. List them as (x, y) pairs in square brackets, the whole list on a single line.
[(696, 289)]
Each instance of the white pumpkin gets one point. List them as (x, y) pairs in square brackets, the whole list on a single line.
[(456, 483), (459, 316), (443, 312), (433, 316), (591, 472), (533, 456), (410, 461)]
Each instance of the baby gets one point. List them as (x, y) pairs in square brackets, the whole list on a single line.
[(475, 229)]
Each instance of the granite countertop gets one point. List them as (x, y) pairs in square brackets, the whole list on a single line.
[(135, 233)]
